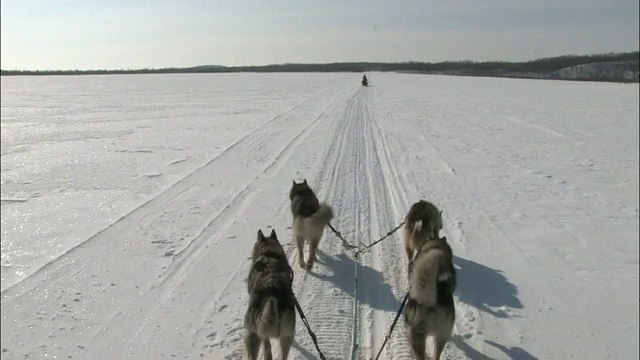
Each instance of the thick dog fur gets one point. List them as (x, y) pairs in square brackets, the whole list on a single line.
[(430, 309), (271, 311), (303, 200), (423, 222), (309, 220)]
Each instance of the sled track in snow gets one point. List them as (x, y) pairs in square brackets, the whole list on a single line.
[(358, 167), (384, 196), (387, 206), (327, 309)]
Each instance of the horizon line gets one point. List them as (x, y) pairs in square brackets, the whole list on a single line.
[(326, 63)]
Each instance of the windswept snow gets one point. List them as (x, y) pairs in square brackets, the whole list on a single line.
[(130, 205)]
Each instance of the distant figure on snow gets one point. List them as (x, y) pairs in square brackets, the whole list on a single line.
[(365, 82)]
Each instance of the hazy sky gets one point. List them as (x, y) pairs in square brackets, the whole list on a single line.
[(120, 34)]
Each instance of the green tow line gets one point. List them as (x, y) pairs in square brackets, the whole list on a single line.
[(356, 308)]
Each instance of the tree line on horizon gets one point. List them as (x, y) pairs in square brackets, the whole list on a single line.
[(538, 66)]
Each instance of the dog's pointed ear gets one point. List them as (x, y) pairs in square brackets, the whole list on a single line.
[(304, 181), (260, 235), (440, 212), (273, 234), (294, 181)]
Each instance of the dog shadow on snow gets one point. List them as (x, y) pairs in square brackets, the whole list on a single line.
[(490, 291), (515, 353), (485, 288), (306, 354), (372, 288)]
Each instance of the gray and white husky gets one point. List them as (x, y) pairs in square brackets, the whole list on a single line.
[(430, 310), (271, 311), (310, 217)]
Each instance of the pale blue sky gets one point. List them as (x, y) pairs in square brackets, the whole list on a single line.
[(120, 34)]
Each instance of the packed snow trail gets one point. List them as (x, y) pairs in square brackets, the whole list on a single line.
[(346, 173)]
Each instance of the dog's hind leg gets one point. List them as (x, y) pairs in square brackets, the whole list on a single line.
[(313, 247), (285, 346), (287, 331), (300, 245), (252, 344), (438, 348), (417, 341), (266, 349)]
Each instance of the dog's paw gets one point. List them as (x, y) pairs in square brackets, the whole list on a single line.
[(302, 264), (309, 265)]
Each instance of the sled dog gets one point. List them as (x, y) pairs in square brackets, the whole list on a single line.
[(310, 217), (271, 312), (430, 309), (423, 222)]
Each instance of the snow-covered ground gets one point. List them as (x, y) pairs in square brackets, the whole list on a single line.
[(130, 205)]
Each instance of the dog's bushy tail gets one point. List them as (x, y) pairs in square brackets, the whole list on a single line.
[(269, 320), (428, 270), (323, 215)]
